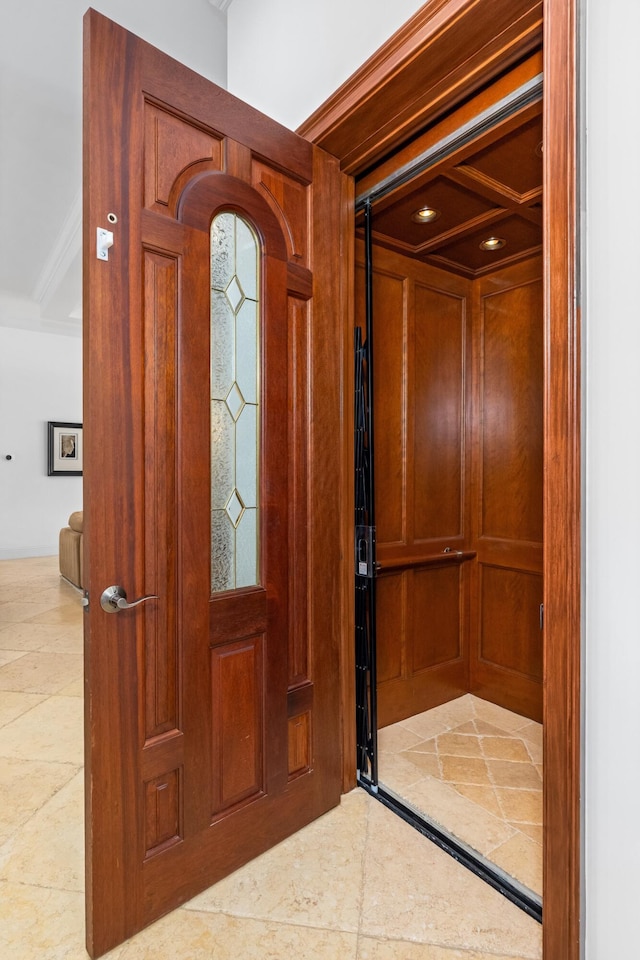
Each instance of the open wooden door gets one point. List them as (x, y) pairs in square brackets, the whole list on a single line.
[(213, 482)]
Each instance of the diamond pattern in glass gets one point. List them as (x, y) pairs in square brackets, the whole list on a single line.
[(235, 401), (234, 508), (234, 294)]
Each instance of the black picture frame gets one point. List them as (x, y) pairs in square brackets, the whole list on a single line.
[(64, 449)]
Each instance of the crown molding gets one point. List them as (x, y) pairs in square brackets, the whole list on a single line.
[(221, 4), (21, 313), (63, 253)]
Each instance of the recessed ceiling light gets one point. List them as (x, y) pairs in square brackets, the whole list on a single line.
[(492, 243), (425, 215)]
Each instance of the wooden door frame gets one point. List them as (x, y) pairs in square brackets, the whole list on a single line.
[(444, 54)]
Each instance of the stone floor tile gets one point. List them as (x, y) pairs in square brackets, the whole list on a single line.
[(37, 636), (521, 858), (191, 935), (462, 817), (505, 748), (37, 923), (13, 705), (433, 901), (373, 949), (51, 730), (25, 785), (49, 849), (38, 672), (312, 876)]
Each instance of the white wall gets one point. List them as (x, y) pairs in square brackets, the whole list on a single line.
[(286, 64), (41, 109), (285, 57), (612, 329), (40, 185), (40, 380)]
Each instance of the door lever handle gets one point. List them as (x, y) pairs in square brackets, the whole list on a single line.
[(114, 599)]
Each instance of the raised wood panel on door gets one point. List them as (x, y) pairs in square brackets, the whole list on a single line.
[(421, 368), (506, 647)]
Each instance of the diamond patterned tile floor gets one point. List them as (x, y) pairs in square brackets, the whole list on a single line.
[(476, 769)]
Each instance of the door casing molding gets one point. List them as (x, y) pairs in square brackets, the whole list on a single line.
[(435, 62)]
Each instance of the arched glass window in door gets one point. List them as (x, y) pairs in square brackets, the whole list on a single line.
[(235, 408)]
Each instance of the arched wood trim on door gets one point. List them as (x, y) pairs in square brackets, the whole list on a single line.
[(212, 191), (441, 57)]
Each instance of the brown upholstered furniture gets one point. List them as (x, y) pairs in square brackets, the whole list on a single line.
[(71, 550)]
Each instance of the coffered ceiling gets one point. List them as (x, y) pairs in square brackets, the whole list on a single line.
[(491, 189)]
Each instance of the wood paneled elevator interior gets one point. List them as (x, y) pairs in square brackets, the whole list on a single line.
[(457, 334), (458, 467)]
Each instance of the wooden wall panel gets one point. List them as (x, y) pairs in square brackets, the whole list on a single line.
[(506, 639), (389, 374), (510, 620), (435, 618), (425, 663), (460, 471), (506, 664), (511, 412), (437, 401), (421, 374), (391, 626)]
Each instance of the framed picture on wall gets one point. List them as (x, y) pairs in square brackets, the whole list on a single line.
[(64, 449)]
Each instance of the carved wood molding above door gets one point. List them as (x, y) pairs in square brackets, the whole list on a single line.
[(445, 53)]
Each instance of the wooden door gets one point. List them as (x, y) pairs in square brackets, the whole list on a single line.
[(212, 422)]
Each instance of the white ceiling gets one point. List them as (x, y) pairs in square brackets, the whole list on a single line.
[(41, 136)]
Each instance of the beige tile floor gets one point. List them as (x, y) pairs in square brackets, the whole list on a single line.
[(358, 884), (476, 769)]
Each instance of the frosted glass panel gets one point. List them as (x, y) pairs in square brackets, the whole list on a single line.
[(247, 262), (223, 345), (235, 413), (246, 538), (223, 455), (247, 455), (223, 239), (246, 347), (222, 551)]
